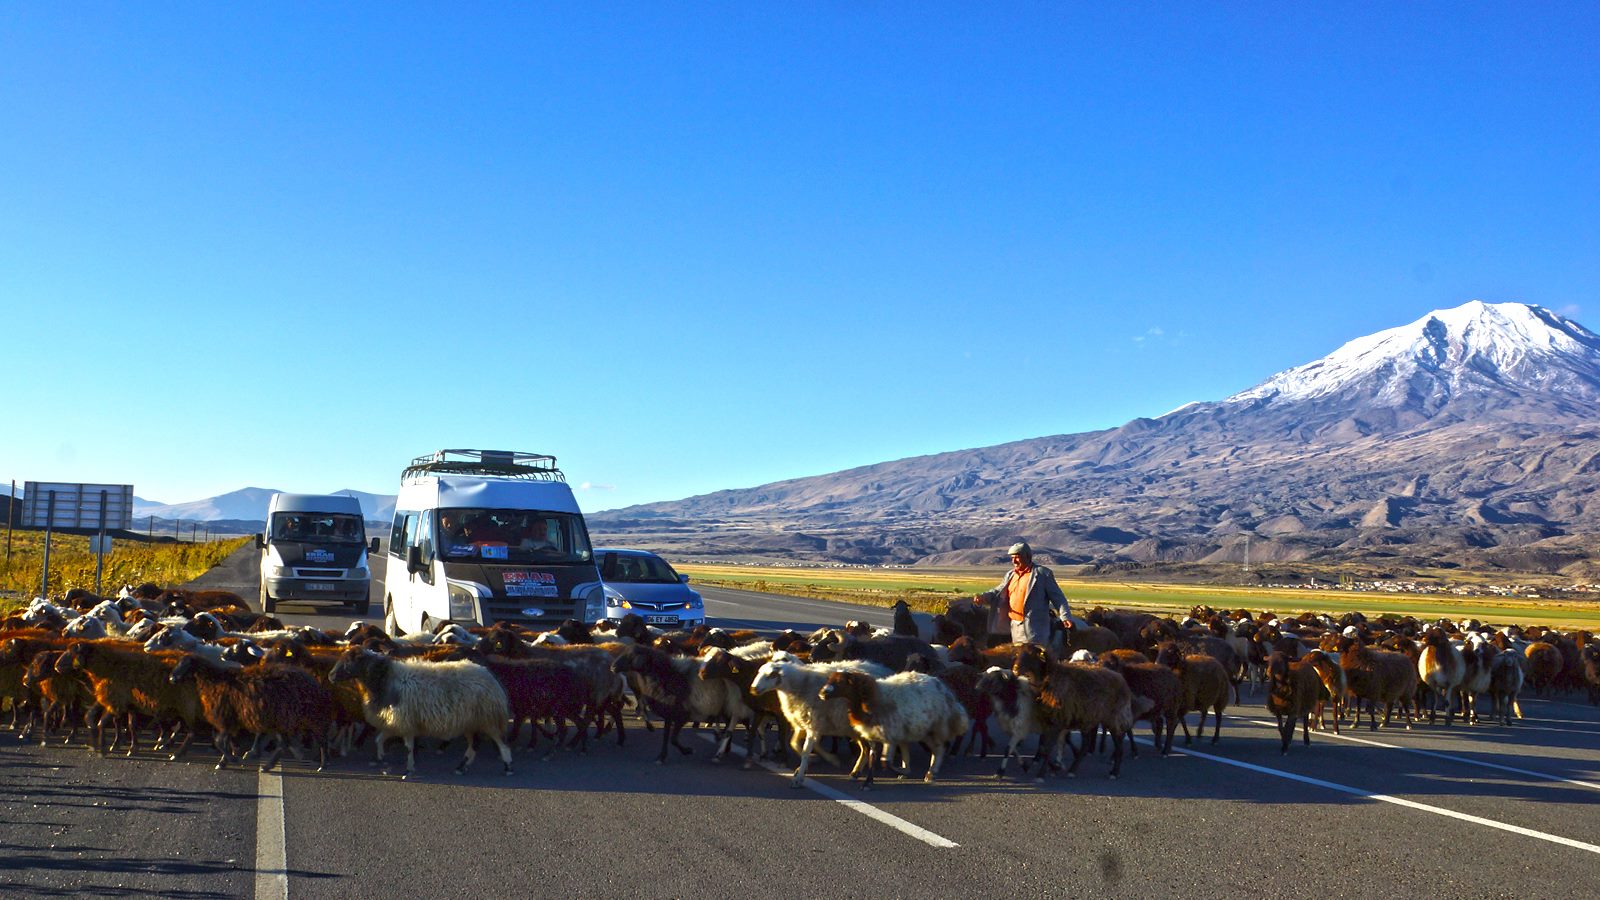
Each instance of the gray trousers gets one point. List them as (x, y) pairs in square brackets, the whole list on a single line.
[(1021, 633)]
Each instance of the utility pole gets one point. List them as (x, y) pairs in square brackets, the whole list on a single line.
[(1247, 553)]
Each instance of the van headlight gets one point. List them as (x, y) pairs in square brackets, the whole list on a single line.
[(463, 604), (594, 605), (278, 571)]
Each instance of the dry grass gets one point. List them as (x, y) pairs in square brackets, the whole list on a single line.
[(129, 562), (929, 591)]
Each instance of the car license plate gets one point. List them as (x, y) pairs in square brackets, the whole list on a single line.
[(661, 620), (318, 586)]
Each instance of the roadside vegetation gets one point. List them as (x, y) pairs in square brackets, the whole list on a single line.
[(932, 590), (129, 562)]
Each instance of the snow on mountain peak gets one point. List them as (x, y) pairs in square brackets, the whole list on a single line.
[(1472, 344)]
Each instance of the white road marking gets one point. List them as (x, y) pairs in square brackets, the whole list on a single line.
[(1445, 756), (272, 876), (1385, 798), (866, 809)]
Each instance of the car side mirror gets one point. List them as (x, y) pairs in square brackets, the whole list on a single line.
[(261, 541), (683, 579), (372, 547), (414, 559)]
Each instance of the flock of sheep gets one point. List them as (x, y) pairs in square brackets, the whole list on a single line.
[(179, 664)]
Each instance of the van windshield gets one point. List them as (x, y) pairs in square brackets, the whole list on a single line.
[(318, 528), (513, 535)]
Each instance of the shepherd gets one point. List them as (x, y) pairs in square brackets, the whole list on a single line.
[(1027, 597)]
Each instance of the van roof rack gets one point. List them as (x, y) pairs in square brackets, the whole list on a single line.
[(502, 463)]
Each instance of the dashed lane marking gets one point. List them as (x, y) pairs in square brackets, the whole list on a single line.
[(851, 803), (272, 876), (1386, 798), (1436, 755)]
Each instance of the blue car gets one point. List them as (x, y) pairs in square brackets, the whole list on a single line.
[(638, 581)]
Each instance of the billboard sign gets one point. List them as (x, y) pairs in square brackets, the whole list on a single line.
[(76, 505)]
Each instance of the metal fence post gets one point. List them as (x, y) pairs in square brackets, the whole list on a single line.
[(44, 568), (100, 548)]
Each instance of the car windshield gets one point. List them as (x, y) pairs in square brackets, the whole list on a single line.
[(318, 528), (630, 569), (512, 535)]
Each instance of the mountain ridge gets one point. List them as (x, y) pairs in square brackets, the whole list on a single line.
[(1467, 436)]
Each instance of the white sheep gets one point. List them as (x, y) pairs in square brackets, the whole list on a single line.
[(809, 716), (409, 699), (898, 711)]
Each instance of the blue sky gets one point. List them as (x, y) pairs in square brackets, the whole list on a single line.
[(693, 246)]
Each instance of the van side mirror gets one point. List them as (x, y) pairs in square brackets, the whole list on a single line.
[(372, 547), (683, 579), (414, 559), (261, 541)]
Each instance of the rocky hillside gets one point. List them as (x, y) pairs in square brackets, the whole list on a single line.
[(1468, 437)]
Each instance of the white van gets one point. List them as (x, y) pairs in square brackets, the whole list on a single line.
[(315, 548), (486, 536)]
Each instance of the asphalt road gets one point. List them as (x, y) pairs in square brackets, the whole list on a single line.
[(1483, 811)]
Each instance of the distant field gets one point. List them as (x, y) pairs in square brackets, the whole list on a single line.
[(129, 562), (930, 590)]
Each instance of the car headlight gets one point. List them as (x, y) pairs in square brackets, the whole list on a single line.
[(695, 602), (614, 599), (463, 604)]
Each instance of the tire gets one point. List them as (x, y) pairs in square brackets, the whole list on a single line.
[(427, 625), (359, 608), (267, 603), (391, 626)]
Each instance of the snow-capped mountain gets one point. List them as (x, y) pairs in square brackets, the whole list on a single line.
[(1468, 437), (250, 505), (1475, 348)]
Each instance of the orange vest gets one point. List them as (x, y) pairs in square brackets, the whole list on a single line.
[(1018, 591)]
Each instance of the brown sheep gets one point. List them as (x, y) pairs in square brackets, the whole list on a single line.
[(1161, 687), (1378, 676), (1205, 687), (1080, 697), (1294, 691), (1544, 666)]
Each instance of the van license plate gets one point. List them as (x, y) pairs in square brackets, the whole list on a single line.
[(661, 620), (318, 586)]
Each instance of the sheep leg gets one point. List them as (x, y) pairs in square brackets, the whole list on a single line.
[(677, 740), (808, 743), (1286, 732), (505, 750), (411, 755), (1011, 749), (940, 751), (872, 752), (1216, 720), (1306, 730), (561, 736), (1166, 749), (278, 741), (1078, 753), (472, 753), (188, 735), (1183, 719), (666, 738), (1116, 750)]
